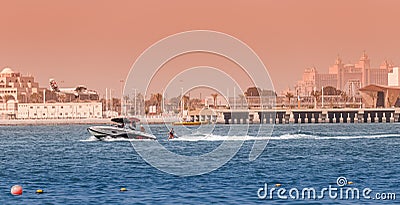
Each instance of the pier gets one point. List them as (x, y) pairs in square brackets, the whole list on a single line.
[(298, 116)]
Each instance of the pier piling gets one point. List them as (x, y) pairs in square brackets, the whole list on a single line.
[(372, 115)]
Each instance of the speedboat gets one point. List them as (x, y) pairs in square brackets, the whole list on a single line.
[(123, 128)]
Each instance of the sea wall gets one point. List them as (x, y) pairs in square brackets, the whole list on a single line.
[(376, 115)]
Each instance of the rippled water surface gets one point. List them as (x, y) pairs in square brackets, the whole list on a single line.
[(73, 168)]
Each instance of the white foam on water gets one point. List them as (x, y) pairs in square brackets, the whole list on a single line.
[(363, 137), (111, 139), (211, 137), (293, 136), (281, 137), (90, 139)]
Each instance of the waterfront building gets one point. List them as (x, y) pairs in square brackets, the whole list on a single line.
[(375, 96), (8, 109), (14, 86), (22, 98), (80, 110)]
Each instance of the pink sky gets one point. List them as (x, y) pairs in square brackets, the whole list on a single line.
[(96, 42)]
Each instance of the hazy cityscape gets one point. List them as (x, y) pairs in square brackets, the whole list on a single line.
[(351, 85)]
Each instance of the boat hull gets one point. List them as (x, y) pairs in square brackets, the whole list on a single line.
[(101, 132)]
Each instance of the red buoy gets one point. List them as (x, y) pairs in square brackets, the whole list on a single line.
[(16, 190)]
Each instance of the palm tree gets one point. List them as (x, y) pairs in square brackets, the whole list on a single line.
[(62, 97), (36, 97), (158, 98), (316, 95), (289, 96), (185, 101), (215, 95)]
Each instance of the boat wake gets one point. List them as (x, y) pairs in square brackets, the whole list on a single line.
[(113, 139), (362, 137), (211, 137)]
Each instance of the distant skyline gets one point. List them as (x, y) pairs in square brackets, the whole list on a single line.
[(95, 43)]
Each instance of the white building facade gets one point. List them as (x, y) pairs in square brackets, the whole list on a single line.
[(393, 77), (82, 110), (8, 110)]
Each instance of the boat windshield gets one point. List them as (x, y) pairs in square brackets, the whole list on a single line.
[(119, 125), (132, 125), (127, 123)]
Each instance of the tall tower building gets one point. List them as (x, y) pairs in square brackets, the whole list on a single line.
[(364, 64), (337, 69)]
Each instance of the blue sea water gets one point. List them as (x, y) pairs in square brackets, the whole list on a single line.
[(73, 168)]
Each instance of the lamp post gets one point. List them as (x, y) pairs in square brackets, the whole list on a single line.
[(182, 103), (122, 96), (135, 96), (162, 102), (322, 98), (234, 98)]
